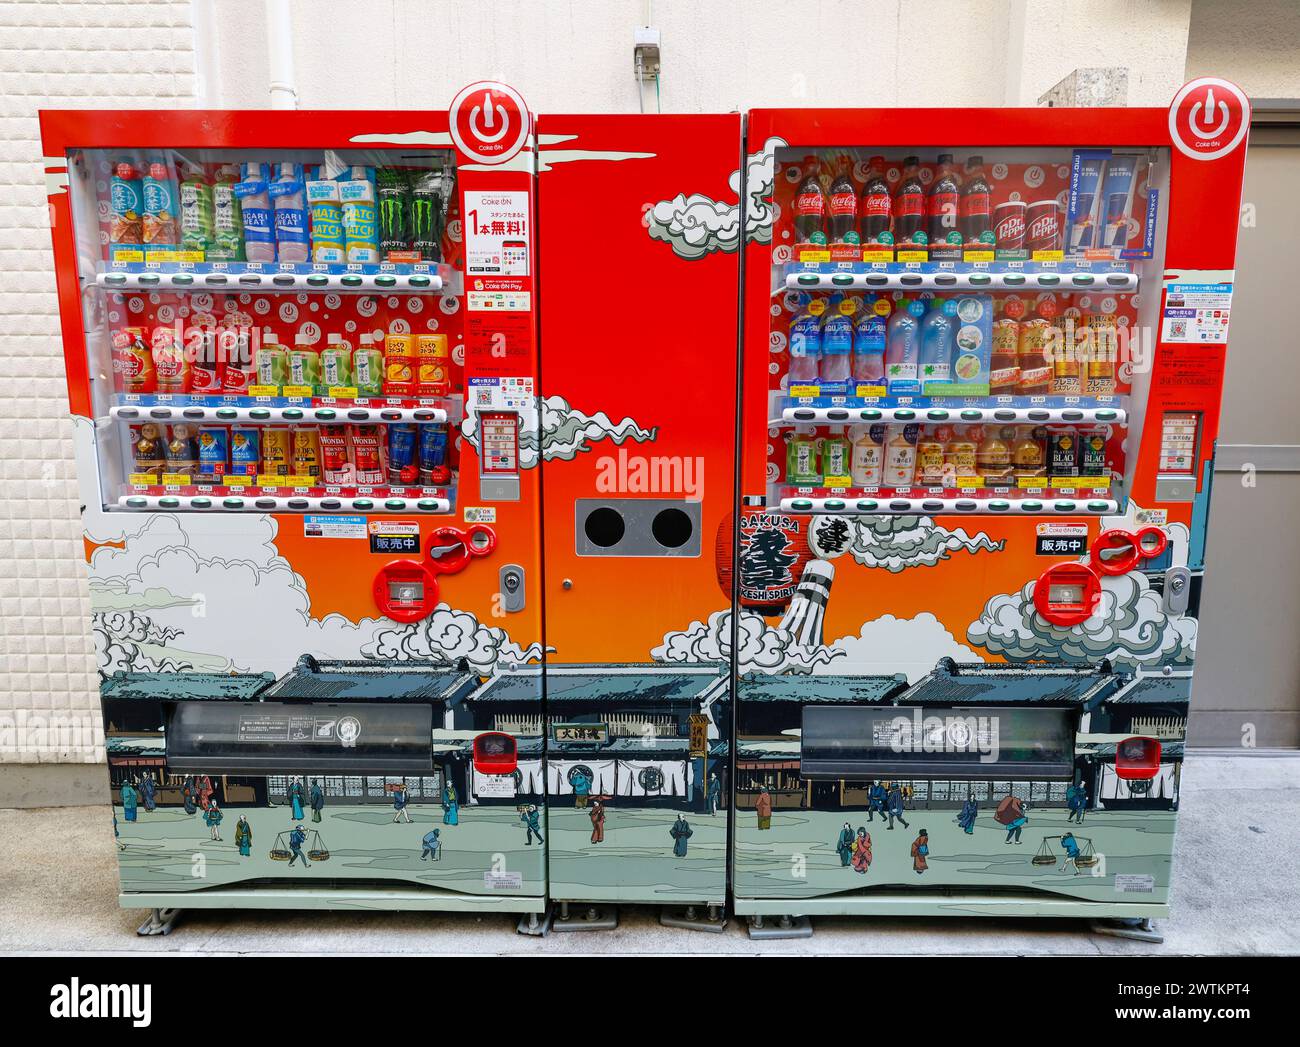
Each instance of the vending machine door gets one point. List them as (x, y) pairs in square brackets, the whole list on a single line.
[(638, 344), (277, 362), (982, 359)]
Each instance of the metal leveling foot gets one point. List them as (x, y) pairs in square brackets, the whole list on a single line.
[(585, 917), (712, 918), (780, 927), (1143, 930), (160, 922)]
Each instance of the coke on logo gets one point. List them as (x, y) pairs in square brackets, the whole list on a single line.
[(1009, 225), (1043, 226)]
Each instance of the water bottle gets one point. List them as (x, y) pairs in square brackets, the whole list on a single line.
[(837, 343), (938, 341), (903, 349), (869, 348), (805, 346)]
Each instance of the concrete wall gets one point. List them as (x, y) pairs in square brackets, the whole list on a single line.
[(565, 55)]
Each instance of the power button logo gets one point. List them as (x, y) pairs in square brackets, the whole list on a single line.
[(1209, 118), (489, 122)]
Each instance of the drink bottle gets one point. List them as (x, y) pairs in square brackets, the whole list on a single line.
[(806, 343), (255, 210), (844, 206), (837, 342), (938, 341), (802, 463), (903, 348), (976, 209), (943, 204), (290, 202), (909, 206), (869, 346), (868, 461), (876, 207), (810, 205)]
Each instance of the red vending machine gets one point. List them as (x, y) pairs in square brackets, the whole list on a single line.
[(983, 354), (638, 461), (302, 369)]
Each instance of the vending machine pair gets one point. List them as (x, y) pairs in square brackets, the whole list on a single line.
[(411, 593)]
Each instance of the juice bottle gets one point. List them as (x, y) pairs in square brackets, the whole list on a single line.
[(272, 360), (304, 366), (336, 364), (802, 462), (900, 455), (368, 368), (993, 457), (868, 461)]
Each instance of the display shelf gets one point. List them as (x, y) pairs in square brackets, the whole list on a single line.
[(960, 276), (886, 503), (260, 415), (247, 499), (802, 415), (239, 277)]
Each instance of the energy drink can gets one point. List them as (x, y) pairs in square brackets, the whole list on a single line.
[(403, 469), (394, 196), (433, 454), (245, 450), (426, 215), (275, 452), (214, 451)]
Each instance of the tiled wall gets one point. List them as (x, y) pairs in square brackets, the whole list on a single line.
[(69, 54)]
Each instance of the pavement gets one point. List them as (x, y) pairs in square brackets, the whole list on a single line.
[(1235, 891)]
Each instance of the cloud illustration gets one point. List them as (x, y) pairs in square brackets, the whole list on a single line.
[(446, 636), (1128, 626), (696, 225), (565, 432), (898, 645), (899, 542), (762, 648)]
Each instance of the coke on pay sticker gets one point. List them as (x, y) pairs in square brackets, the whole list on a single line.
[(1209, 118), (489, 122)]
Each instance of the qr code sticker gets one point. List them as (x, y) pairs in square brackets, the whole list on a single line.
[(1177, 328)]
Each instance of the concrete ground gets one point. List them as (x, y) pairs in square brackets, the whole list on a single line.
[(1235, 891)]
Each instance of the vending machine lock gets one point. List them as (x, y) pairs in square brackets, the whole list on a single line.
[(1066, 594)]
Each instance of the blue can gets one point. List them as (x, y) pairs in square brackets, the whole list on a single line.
[(245, 449), (403, 469), (214, 450), (433, 454)]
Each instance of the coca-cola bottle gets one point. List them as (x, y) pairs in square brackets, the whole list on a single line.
[(876, 207), (943, 205), (909, 205), (844, 206), (810, 205), (976, 209)]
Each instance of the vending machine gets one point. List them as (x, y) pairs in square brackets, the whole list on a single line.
[(640, 250), (982, 360), (302, 368)]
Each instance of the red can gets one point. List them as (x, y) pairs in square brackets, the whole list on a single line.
[(207, 368), (169, 361), (133, 368), (1043, 226), (1009, 225)]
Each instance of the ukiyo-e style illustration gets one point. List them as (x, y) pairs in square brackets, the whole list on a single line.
[(638, 729), (995, 705), (302, 363)]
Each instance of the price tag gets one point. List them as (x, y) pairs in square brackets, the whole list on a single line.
[(344, 392), (297, 390), (263, 391), (175, 480)]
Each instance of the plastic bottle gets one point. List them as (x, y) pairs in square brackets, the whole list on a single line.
[(368, 368), (837, 342), (802, 462), (903, 348), (806, 343), (255, 209), (900, 455), (837, 455), (909, 206), (938, 341), (876, 207), (868, 460), (810, 205), (290, 202), (272, 360), (943, 206), (843, 205), (336, 364), (869, 346)]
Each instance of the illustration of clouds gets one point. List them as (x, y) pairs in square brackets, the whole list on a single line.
[(696, 224), (211, 593), (898, 645), (446, 636), (899, 542), (1129, 627), (565, 432), (763, 648)]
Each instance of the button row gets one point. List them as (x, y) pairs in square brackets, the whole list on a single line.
[(273, 415), (234, 503), (855, 415), (1119, 283), (181, 282), (932, 506)]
